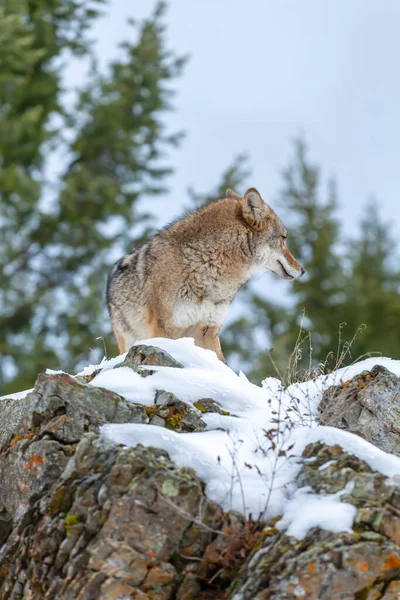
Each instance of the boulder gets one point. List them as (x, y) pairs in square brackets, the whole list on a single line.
[(118, 523), (141, 355), (367, 405), (363, 565)]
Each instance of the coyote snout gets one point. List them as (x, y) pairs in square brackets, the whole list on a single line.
[(286, 266), (182, 282)]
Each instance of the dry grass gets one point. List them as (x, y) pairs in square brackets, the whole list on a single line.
[(303, 348)]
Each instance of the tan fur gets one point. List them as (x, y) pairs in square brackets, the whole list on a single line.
[(182, 282)]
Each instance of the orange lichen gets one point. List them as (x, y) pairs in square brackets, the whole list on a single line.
[(34, 462), (19, 438), (392, 562), (363, 566), (22, 487), (312, 568), (56, 426)]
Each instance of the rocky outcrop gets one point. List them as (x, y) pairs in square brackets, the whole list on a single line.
[(367, 405), (81, 519), (363, 565), (119, 523)]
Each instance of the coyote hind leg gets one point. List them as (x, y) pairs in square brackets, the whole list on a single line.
[(121, 343)]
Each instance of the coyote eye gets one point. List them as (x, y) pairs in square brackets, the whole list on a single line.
[(284, 237)]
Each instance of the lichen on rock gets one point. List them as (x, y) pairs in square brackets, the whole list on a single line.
[(142, 356), (324, 565), (367, 405), (82, 518)]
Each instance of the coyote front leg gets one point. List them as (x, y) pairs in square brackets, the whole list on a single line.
[(207, 337)]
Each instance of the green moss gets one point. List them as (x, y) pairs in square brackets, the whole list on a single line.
[(61, 500), (70, 521), (174, 418), (264, 534), (188, 471), (203, 409), (378, 520), (170, 488), (151, 411), (270, 531), (58, 499), (363, 594)]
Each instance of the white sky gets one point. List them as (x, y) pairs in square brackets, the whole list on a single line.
[(263, 71)]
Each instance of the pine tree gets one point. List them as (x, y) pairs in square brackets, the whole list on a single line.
[(348, 303), (373, 286), (314, 240), (56, 244)]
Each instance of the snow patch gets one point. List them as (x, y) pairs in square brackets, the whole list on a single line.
[(234, 456), (16, 395), (316, 510)]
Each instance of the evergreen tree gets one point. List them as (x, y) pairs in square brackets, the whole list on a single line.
[(314, 240), (56, 244), (373, 286)]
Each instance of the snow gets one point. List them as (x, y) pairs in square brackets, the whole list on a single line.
[(308, 394), (316, 510), (234, 456), (104, 365), (16, 395)]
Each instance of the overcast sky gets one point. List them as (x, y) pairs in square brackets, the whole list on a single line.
[(263, 71)]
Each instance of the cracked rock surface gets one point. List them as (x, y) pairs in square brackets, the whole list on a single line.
[(81, 519), (367, 405), (363, 565), (116, 524)]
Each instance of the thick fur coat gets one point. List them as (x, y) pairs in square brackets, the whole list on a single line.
[(182, 282)]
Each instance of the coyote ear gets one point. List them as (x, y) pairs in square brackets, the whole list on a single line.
[(255, 211), (231, 194)]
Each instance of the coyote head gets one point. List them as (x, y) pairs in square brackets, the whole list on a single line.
[(268, 239)]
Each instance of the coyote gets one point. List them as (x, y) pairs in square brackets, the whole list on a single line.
[(182, 282)]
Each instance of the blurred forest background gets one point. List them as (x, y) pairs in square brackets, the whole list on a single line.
[(58, 239)]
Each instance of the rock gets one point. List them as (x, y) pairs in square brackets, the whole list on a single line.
[(367, 405), (82, 519), (170, 412), (148, 356), (175, 414), (64, 409), (206, 405), (364, 564), (110, 528), (39, 433)]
